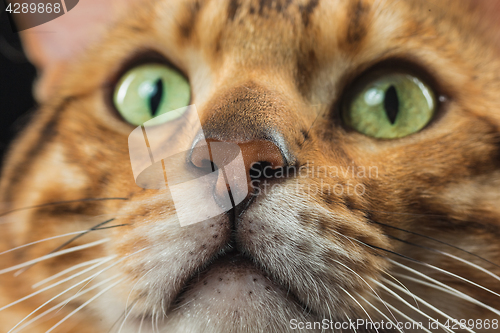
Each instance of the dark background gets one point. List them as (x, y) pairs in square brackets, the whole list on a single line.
[(16, 81)]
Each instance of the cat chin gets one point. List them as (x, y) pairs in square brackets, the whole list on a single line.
[(232, 295), (232, 282)]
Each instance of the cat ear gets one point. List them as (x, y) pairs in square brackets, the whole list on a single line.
[(52, 45)]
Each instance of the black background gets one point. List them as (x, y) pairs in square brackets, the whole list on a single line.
[(16, 81)]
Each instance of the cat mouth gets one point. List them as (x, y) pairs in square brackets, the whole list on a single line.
[(235, 278), (231, 259)]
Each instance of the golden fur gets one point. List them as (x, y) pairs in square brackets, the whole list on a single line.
[(282, 65)]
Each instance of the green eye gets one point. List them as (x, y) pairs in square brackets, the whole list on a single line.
[(148, 91), (391, 106)]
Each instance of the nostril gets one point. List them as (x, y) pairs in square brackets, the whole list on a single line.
[(243, 165), (257, 168), (262, 170), (207, 164)]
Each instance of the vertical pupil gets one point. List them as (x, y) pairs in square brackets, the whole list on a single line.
[(391, 104), (156, 97)]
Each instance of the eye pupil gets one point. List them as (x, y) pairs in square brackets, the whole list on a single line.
[(156, 97), (391, 104)]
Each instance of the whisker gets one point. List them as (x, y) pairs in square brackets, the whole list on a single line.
[(84, 305), (80, 235), (109, 267), (425, 264), (316, 289), (66, 271), (113, 226), (58, 203), (351, 239), (55, 284), (444, 287), (185, 304), (450, 274), (163, 308), (433, 267), (82, 232), (142, 322), (381, 313), (135, 284), (373, 290), (451, 291), (52, 255), (94, 228), (124, 313), (362, 308), (402, 314), (126, 316), (400, 213), (43, 314), (482, 269), (153, 319), (328, 306), (41, 241), (402, 300), (430, 306), (435, 240), (402, 285), (348, 319), (417, 261), (157, 317), (62, 293)]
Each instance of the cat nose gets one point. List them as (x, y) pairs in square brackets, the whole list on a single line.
[(257, 159)]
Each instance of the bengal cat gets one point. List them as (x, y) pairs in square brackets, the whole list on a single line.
[(366, 197)]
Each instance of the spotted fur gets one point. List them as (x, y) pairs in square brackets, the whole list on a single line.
[(260, 69)]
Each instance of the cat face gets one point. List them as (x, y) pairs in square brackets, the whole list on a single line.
[(369, 133)]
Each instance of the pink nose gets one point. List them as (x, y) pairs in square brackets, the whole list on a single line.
[(255, 151)]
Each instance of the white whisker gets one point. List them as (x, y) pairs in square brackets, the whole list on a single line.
[(66, 271), (126, 317), (53, 298), (449, 290), (402, 314), (52, 255), (153, 319), (373, 290), (402, 285), (156, 320), (54, 285), (349, 320), (362, 308), (84, 305), (381, 313), (402, 300), (43, 240), (430, 306), (135, 284), (107, 268), (482, 269), (79, 293), (142, 321), (449, 273)]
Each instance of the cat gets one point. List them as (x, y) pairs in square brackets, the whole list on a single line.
[(368, 133)]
